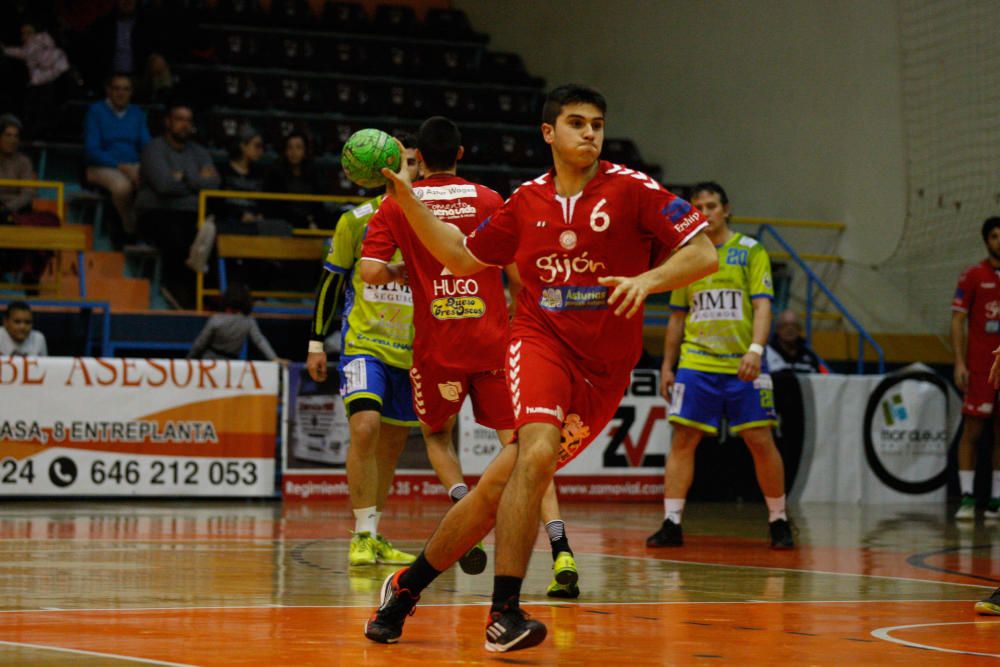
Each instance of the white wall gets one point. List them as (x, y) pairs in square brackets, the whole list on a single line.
[(793, 105)]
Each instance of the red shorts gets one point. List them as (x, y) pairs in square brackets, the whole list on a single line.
[(980, 397), (547, 386), (438, 393)]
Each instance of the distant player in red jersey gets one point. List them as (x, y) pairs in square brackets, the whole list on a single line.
[(461, 326), (591, 240), (977, 302)]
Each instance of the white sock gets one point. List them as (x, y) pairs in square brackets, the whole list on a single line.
[(775, 508), (996, 485), (672, 509), (378, 515), (965, 479), (365, 520)]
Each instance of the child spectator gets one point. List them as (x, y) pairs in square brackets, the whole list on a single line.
[(226, 333), (17, 336)]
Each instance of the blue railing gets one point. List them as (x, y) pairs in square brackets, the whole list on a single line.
[(814, 281)]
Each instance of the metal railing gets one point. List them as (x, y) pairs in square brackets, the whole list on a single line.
[(58, 186), (204, 195), (815, 282)]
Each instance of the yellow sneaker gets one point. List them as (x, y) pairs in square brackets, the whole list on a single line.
[(564, 569), (990, 606), (385, 553), (362, 549), (557, 590)]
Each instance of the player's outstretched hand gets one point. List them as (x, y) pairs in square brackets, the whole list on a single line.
[(995, 369), (749, 367), (630, 292), (316, 365)]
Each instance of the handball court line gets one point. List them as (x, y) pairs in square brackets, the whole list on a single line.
[(793, 569), (884, 634), (484, 603), (95, 654)]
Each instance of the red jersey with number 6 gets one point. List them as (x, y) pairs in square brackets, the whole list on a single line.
[(619, 225), (460, 322), (978, 295)]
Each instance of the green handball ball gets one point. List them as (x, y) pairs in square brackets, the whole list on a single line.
[(366, 153)]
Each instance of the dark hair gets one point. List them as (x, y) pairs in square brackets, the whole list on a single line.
[(988, 226), (244, 135), (438, 142), (16, 305), (117, 75), (570, 93), (9, 120), (176, 103), (296, 134), (713, 188), (408, 139), (237, 297)]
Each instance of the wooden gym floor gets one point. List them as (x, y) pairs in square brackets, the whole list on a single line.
[(261, 583)]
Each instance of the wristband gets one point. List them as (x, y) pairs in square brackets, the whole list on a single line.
[(756, 348), (316, 346)]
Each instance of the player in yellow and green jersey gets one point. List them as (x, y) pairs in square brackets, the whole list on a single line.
[(376, 355), (719, 325)]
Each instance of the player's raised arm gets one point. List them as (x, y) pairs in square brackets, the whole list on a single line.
[(446, 242), (694, 260)]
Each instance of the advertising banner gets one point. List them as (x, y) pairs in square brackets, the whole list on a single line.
[(137, 427), (625, 462)]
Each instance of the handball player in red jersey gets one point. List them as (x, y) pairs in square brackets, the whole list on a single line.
[(591, 240), (975, 334), (461, 327)]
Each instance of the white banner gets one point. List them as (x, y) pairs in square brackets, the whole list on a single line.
[(145, 427)]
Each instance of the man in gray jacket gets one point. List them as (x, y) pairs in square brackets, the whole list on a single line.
[(173, 170)]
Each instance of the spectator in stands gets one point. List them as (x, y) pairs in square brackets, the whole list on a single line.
[(49, 77), (295, 173), (788, 350), (242, 172), (114, 135), (226, 333), (156, 85), (17, 336), (173, 170), (15, 165)]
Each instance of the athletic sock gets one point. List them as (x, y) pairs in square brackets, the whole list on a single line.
[(965, 481), (996, 485), (506, 592), (458, 491), (418, 575), (378, 515), (365, 520), (557, 537), (776, 508), (672, 509)]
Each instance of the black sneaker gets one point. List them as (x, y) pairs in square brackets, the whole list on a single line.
[(781, 534), (474, 560), (512, 629), (386, 623), (669, 535)]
